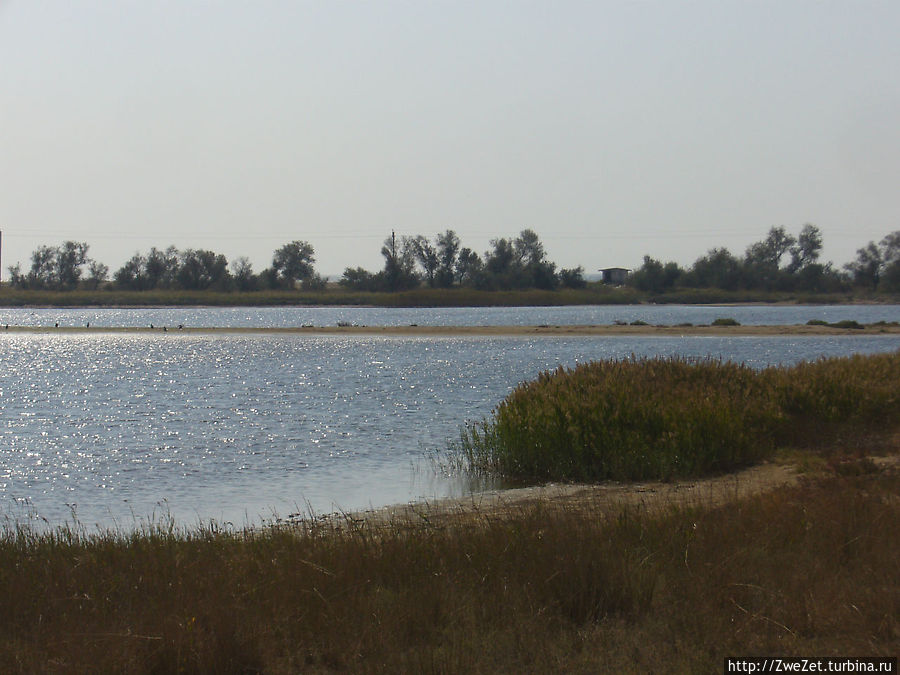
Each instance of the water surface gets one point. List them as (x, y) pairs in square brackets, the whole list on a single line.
[(240, 427), (284, 317)]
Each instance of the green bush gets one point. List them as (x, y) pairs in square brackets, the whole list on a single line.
[(848, 323), (728, 321), (665, 418)]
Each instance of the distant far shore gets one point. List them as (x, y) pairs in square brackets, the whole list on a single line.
[(593, 294), (474, 331)]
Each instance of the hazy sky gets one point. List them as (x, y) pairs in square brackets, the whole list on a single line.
[(613, 129)]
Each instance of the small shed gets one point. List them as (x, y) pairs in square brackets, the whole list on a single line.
[(614, 275)]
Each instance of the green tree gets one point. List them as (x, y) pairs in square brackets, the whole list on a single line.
[(161, 267), (359, 279), (655, 277), (890, 257), (69, 259), (98, 275), (447, 250), (572, 278), (132, 274), (243, 276), (468, 268), (201, 269), (43, 268), (293, 262), (399, 264), (807, 248), (866, 269), (717, 269), (428, 258), (762, 261)]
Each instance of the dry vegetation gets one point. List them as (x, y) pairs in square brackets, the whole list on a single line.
[(544, 587)]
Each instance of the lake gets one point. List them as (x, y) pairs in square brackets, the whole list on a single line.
[(119, 429)]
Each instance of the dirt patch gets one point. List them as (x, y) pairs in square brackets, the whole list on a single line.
[(650, 496)]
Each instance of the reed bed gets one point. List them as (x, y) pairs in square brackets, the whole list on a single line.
[(332, 296), (540, 588), (664, 418)]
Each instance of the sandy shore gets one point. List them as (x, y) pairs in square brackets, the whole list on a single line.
[(414, 330), (602, 498)]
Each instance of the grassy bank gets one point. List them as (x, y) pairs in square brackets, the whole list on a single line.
[(594, 294), (658, 418), (541, 588)]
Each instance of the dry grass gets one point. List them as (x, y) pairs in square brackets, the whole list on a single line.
[(542, 587)]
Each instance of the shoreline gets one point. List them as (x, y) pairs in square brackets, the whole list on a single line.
[(470, 331), (609, 496)]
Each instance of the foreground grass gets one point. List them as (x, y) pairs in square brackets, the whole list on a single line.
[(542, 588), (663, 418)]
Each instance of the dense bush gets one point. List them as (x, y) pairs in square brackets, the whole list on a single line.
[(664, 418)]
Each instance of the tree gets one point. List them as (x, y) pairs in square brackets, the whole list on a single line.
[(572, 278), (201, 269), (293, 262), (890, 257), (43, 268), (69, 259), (468, 267), (428, 258), (655, 277), (359, 279), (762, 261), (500, 261), (529, 249), (242, 273), (99, 272), (717, 269), (806, 250), (447, 249), (131, 275), (538, 272), (866, 269), (399, 264), (16, 278), (161, 267)]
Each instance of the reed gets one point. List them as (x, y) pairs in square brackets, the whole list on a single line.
[(658, 418)]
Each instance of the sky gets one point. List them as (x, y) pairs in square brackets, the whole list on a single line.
[(612, 129)]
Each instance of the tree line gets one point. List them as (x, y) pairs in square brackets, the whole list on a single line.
[(779, 262), (409, 262)]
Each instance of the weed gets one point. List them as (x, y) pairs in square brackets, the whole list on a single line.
[(665, 418)]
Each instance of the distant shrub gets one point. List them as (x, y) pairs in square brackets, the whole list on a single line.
[(725, 321), (638, 322), (848, 323)]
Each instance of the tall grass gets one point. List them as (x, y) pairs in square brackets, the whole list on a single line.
[(540, 588), (661, 418), (594, 294)]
